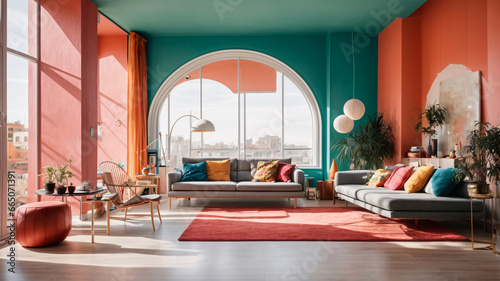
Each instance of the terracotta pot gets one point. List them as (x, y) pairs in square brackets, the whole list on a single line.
[(49, 186)]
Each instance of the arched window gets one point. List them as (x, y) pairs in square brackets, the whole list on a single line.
[(260, 108)]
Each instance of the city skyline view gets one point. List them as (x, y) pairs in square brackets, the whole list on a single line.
[(262, 116)]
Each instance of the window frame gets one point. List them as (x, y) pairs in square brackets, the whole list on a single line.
[(4, 50), (238, 54)]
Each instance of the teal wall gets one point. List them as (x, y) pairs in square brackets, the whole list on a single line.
[(318, 59)]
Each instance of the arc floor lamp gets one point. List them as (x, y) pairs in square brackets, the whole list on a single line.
[(201, 126)]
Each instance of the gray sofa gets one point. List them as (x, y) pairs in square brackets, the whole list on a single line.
[(350, 186), (240, 186)]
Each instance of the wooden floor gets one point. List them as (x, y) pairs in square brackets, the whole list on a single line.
[(134, 252)]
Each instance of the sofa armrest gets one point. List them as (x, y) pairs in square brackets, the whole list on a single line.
[(351, 177), (172, 178), (298, 177)]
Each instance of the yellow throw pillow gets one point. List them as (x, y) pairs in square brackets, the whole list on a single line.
[(379, 178), (418, 179), (219, 170)]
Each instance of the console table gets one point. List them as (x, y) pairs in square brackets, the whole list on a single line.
[(436, 162)]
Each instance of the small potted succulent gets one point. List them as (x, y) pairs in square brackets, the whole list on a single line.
[(481, 158), (62, 174), (50, 179)]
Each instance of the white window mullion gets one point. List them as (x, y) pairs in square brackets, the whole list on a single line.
[(201, 110), (3, 128), (239, 113), (282, 115)]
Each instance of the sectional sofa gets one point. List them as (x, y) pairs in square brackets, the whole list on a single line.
[(240, 186), (350, 186)]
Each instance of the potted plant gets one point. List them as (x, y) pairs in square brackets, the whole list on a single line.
[(435, 116), (492, 149), (368, 146), (480, 158), (62, 174), (50, 179)]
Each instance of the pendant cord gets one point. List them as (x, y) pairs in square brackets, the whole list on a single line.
[(353, 66)]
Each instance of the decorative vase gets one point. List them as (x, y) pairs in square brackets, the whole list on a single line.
[(49, 186), (145, 171), (429, 149), (61, 189), (434, 147)]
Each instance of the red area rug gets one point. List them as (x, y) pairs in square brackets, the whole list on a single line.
[(309, 224)]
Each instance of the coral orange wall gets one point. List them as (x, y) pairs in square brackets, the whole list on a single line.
[(389, 78), (398, 81), (492, 90), (439, 33), (68, 89), (113, 98), (454, 32)]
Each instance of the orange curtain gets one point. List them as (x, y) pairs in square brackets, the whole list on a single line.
[(137, 104)]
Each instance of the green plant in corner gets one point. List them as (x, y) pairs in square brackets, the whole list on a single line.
[(368, 146), (435, 116), (481, 157)]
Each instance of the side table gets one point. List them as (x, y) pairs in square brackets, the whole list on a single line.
[(150, 177), (77, 193), (99, 199), (484, 197)]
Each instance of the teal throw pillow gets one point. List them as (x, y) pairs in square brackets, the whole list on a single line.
[(195, 172), (444, 182)]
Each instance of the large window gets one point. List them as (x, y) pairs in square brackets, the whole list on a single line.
[(258, 112), (19, 48)]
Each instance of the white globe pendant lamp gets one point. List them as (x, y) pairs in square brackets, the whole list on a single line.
[(343, 124), (354, 109)]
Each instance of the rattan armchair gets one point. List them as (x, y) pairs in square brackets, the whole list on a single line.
[(116, 179)]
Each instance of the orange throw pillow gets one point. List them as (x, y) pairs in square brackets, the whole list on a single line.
[(219, 170)]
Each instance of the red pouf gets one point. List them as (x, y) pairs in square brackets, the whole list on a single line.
[(42, 223)]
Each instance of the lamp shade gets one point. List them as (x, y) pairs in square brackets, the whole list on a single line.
[(343, 124), (202, 125), (354, 109)]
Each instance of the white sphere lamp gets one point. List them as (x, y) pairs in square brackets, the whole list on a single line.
[(343, 124), (354, 109)]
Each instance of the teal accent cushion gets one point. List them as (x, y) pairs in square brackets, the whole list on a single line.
[(195, 172), (443, 182)]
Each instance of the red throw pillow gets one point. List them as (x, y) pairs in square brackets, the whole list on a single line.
[(398, 178), (284, 173)]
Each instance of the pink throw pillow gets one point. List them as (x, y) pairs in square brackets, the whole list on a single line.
[(284, 173), (398, 178)]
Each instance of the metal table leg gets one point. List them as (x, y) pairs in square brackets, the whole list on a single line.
[(92, 214)]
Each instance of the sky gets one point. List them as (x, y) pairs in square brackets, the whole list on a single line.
[(220, 106), (17, 68)]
